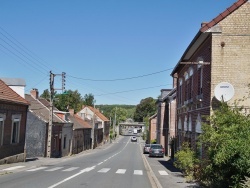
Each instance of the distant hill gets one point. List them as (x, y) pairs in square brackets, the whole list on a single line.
[(106, 109)]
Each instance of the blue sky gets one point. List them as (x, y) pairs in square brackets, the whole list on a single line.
[(121, 51)]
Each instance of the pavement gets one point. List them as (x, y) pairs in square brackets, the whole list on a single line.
[(158, 181)]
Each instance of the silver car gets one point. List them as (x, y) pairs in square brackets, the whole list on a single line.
[(156, 150), (146, 148)]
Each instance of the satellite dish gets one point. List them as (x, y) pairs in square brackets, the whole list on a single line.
[(224, 91)]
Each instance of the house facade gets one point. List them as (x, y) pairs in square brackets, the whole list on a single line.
[(152, 128), (13, 116), (220, 52), (37, 129), (169, 123), (101, 123), (81, 133)]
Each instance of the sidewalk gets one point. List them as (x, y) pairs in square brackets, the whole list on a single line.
[(40, 161)]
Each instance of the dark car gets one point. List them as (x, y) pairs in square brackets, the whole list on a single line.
[(146, 148), (156, 150)]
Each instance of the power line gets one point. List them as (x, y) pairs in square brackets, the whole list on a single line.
[(119, 79), (30, 65), (22, 47), (132, 90)]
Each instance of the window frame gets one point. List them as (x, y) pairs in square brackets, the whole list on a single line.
[(2, 119)]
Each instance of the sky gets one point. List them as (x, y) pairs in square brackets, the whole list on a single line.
[(120, 51)]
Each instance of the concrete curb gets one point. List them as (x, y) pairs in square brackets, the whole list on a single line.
[(151, 175)]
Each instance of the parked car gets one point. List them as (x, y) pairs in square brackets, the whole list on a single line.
[(133, 139), (156, 150), (146, 148)]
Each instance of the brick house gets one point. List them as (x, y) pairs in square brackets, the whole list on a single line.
[(169, 123), (220, 52), (37, 129), (102, 124), (160, 135), (152, 128), (13, 116), (81, 133)]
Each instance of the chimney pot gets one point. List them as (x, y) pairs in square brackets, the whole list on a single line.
[(34, 92)]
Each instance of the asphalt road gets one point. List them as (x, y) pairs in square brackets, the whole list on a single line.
[(120, 165)]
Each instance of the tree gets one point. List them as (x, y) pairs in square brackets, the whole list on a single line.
[(146, 108), (70, 100), (46, 95), (120, 113), (226, 142), (88, 99)]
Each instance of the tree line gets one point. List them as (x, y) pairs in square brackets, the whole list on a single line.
[(121, 112)]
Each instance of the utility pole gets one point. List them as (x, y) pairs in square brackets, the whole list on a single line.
[(114, 124), (109, 128), (93, 128), (51, 104), (50, 114)]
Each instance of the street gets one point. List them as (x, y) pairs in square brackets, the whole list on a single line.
[(120, 164)]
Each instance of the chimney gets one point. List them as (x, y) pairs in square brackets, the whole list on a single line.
[(71, 111), (34, 93)]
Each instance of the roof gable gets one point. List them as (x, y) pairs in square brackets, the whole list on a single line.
[(41, 110), (79, 123), (223, 15), (203, 34), (7, 94), (97, 113)]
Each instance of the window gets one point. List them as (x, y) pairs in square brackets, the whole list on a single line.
[(185, 124), (1, 131), (198, 124), (180, 92), (200, 74), (190, 124), (15, 131)]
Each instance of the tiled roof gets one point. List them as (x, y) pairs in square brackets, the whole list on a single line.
[(40, 110), (79, 123), (98, 113), (223, 15), (8, 95), (201, 35)]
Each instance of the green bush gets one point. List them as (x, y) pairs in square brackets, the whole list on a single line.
[(153, 141), (186, 161)]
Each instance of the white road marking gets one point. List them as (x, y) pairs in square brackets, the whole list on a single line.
[(163, 172), (54, 169), (100, 163), (36, 169), (14, 168), (138, 172), (82, 171), (70, 169), (121, 171), (104, 170)]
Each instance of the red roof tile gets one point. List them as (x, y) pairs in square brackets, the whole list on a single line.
[(9, 95)]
